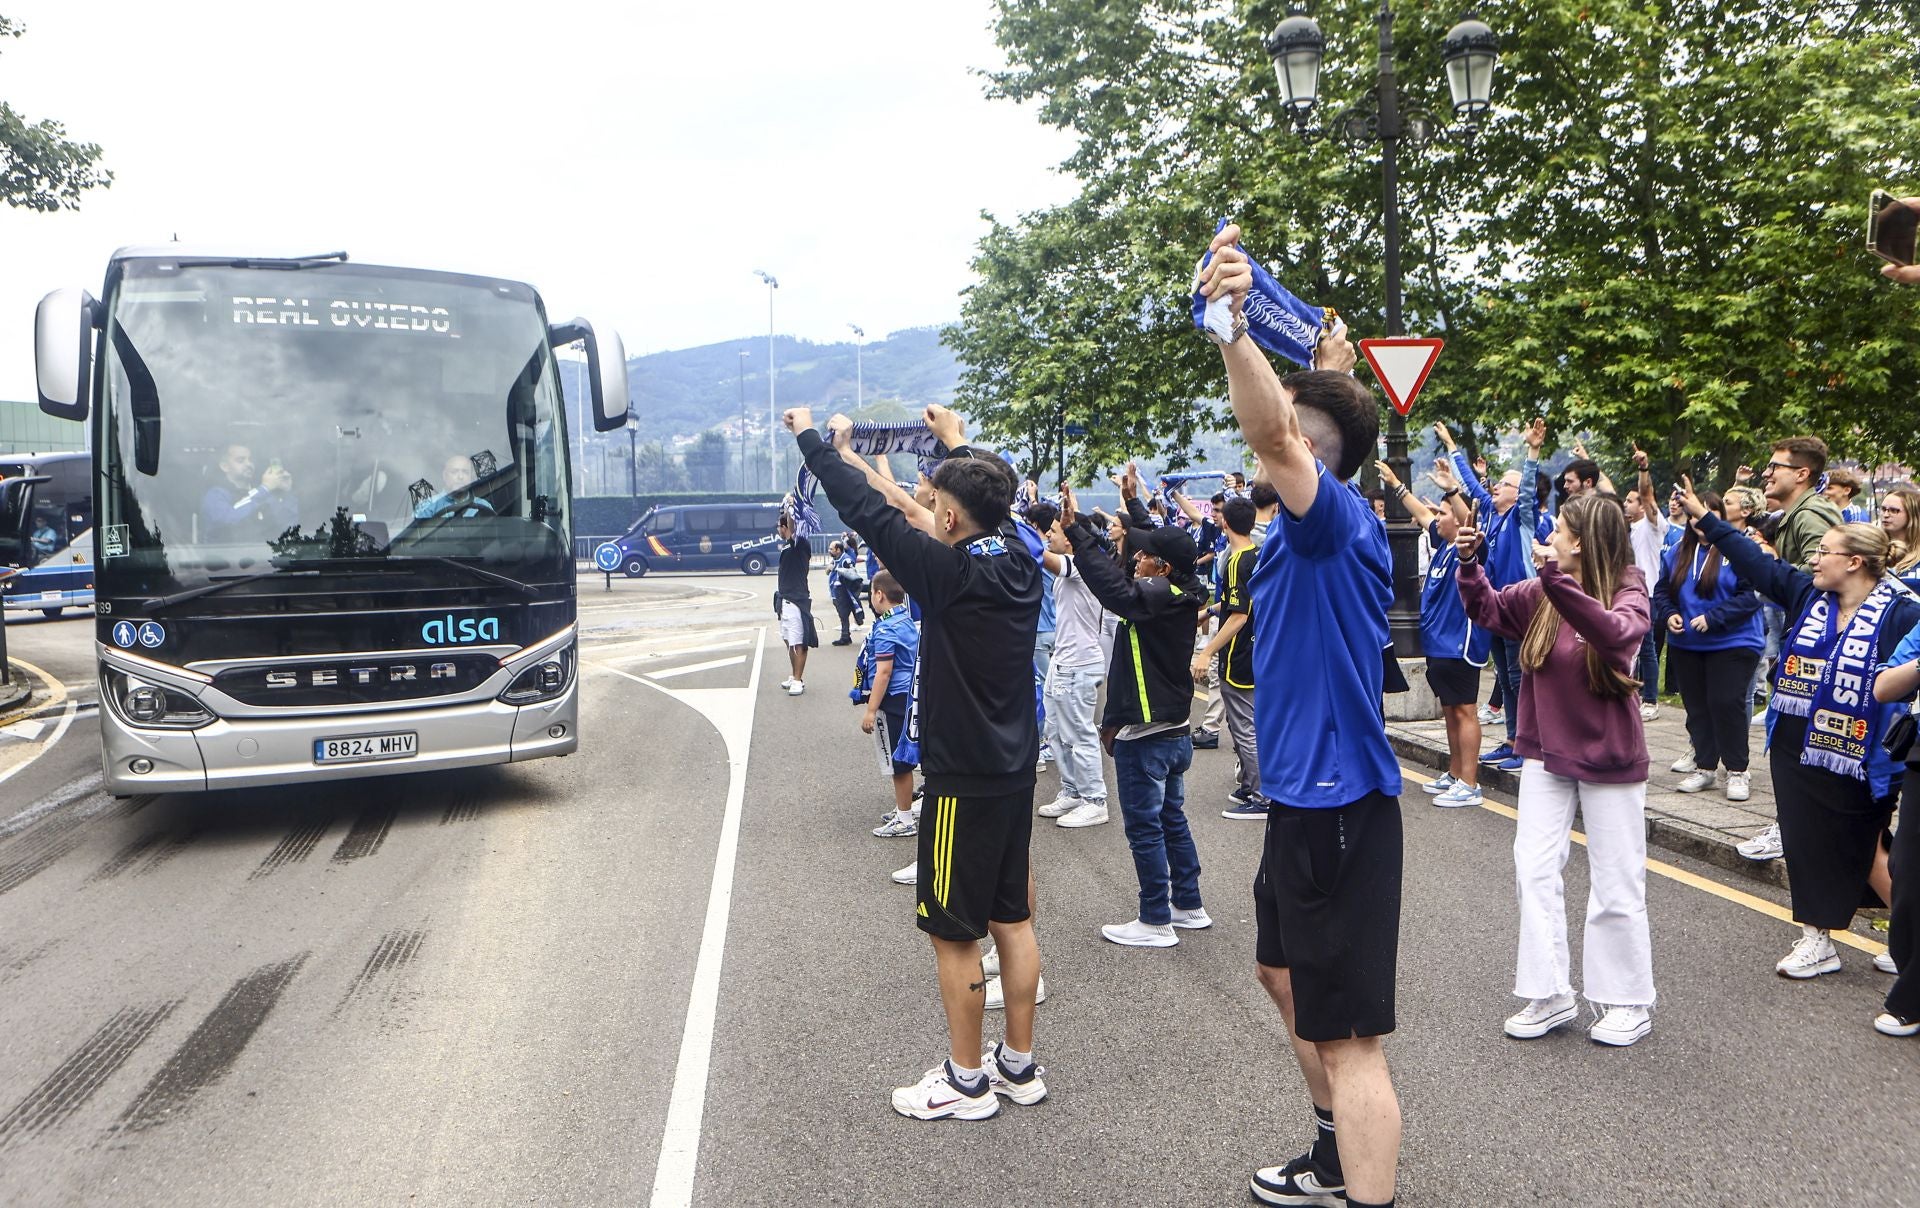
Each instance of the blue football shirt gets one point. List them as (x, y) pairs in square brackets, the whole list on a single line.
[(1321, 590)]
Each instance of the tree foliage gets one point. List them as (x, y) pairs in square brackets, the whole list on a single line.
[(40, 168), (1655, 237)]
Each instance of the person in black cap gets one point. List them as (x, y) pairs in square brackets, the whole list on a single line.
[(1149, 696)]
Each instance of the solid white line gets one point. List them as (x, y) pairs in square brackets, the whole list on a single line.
[(601, 649), (690, 668), (59, 732), (732, 715)]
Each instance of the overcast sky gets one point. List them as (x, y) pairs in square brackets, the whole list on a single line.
[(633, 162)]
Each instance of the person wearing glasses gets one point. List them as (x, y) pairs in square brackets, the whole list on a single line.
[(1834, 783), (1790, 481)]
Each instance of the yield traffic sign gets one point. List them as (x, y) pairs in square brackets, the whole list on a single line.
[(1402, 364)]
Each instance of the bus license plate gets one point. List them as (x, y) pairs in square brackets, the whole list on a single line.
[(366, 747)]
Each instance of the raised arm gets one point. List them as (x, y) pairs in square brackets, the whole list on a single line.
[(1462, 469), (1261, 407), (1416, 506), (1785, 585), (840, 429)]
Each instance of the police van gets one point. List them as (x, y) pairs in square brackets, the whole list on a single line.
[(702, 536)]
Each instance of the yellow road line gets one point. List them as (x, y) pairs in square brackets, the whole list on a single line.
[(1669, 871)]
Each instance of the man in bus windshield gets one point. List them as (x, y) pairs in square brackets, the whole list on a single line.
[(236, 510)]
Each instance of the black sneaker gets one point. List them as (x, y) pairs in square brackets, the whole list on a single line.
[(1242, 804), (1206, 740), (843, 641), (1298, 1182)]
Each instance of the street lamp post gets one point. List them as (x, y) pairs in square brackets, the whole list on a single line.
[(633, 472), (743, 421), (1469, 52), (859, 388), (773, 410)]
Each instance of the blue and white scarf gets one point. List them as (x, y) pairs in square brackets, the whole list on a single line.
[(1278, 322), (868, 440), (1169, 483), (1827, 677)]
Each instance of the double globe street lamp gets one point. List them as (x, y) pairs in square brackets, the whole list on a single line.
[(1470, 52)]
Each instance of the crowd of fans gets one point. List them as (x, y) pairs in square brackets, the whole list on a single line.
[(1013, 630)]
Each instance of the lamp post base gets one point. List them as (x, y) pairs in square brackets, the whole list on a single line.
[(1417, 703)]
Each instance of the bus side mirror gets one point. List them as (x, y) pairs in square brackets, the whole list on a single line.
[(63, 352), (606, 370)]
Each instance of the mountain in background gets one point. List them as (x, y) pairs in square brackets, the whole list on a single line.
[(680, 394)]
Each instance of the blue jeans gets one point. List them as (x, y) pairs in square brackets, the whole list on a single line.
[(1649, 670), (1506, 665), (1150, 776)]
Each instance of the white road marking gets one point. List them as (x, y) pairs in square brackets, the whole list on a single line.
[(79, 790), (690, 668), (730, 711), (601, 649), (28, 729), (59, 732)]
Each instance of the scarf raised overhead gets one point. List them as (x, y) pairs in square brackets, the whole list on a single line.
[(868, 440)]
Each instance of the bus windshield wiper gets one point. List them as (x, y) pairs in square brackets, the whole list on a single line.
[(491, 576), (218, 583)]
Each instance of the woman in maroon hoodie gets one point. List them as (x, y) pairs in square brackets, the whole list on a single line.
[(1579, 626)]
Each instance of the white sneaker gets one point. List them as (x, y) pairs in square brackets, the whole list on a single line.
[(1087, 813), (1621, 1026), (1684, 764), (997, 994), (1759, 718), (1137, 934), (1763, 846), (1812, 955), (990, 964), (796, 688), (1888, 1024), (1191, 920), (1739, 786), (1884, 963), (1489, 715), (1437, 787), (1063, 804), (935, 1097), (1696, 782), (1026, 1090), (1649, 712), (786, 683), (1542, 1015), (1461, 794), (910, 875), (898, 826)]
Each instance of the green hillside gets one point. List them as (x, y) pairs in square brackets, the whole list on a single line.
[(689, 390)]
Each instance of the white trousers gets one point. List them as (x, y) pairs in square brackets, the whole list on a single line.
[(1617, 955)]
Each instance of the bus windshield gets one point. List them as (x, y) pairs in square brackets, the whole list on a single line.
[(260, 419)]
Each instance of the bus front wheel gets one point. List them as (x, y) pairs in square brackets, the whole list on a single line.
[(754, 564), (636, 568)]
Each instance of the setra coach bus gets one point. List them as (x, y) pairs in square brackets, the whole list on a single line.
[(333, 533)]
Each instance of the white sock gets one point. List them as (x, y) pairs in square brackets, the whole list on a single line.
[(964, 1078), (1017, 1063)]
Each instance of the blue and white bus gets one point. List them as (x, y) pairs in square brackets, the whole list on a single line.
[(50, 566)]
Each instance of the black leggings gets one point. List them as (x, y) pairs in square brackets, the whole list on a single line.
[(1902, 942), (1713, 687)]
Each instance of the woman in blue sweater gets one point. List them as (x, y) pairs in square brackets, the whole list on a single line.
[(1834, 783), (1714, 639)]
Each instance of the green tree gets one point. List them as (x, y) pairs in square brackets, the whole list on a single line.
[(40, 168), (706, 462), (1655, 238)]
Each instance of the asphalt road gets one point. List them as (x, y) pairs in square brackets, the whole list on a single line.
[(476, 988)]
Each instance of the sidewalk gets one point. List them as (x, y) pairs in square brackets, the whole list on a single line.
[(1703, 825)]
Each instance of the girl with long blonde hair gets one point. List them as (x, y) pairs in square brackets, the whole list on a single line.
[(1900, 516), (1579, 626)]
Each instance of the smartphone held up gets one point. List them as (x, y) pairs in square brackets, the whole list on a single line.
[(1891, 228)]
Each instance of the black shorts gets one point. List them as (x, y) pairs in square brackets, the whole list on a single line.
[(893, 714), (1326, 905), (1455, 681), (973, 862)]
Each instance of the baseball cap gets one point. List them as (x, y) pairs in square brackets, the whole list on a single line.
[(1169, 544)]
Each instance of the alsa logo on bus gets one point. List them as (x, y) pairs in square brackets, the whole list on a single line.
[(452, 630)]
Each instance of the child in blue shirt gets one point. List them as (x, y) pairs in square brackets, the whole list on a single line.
[(892, 648)]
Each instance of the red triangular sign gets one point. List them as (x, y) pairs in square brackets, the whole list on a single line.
[(1402, 365)]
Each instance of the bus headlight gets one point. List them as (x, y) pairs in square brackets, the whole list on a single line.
[(544, 680), (152, 706)]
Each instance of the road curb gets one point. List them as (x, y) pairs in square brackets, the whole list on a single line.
[(1664, 831), (18, 688)]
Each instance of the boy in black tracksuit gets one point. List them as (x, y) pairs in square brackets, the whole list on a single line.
[(1149, 696), (979, 592)]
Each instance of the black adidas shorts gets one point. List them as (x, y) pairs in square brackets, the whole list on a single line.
[(1326, 905), (1454, 681), (973, 862)]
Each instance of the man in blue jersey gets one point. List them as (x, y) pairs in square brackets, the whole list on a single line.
[(1506, 517), (1327, 897)]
